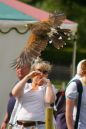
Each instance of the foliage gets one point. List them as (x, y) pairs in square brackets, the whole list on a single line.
[(63, 56), (79, 2), (77, 13)]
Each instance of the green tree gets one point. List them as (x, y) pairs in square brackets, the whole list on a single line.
[(76, 12)]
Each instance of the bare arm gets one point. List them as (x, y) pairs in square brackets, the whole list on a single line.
[(49, 95), (69, 113), (5, 121), (18, 88)]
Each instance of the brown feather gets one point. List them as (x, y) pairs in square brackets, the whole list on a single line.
[(42, 33)]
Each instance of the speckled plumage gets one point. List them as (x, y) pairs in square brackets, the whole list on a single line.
[(42, 33)]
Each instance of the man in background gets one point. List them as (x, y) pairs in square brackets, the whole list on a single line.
[(21, 71)]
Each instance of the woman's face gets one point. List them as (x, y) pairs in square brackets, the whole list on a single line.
[(39, 79)]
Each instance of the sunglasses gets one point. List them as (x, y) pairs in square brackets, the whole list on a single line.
[(43, 71)]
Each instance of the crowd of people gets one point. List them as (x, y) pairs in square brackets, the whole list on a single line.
[(33, 92)]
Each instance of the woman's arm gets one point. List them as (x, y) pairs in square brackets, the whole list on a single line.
[(49, 95), (18, 88), (69, 113)]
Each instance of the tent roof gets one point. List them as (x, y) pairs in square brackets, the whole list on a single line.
[(9, 13), (15, 10), (29, 10)]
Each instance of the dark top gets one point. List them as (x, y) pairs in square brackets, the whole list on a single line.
[(10, 105)]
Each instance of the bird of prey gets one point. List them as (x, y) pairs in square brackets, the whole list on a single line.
[(42, 33)]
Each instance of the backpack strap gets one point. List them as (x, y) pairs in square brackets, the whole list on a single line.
[(80, 90)]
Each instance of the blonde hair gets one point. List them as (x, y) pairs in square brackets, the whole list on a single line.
[(81, 67), (43, 65)]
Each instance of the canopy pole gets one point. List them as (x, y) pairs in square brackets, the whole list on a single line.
[(74, 55)]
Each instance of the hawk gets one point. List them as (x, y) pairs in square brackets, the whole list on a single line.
[(42, 33)]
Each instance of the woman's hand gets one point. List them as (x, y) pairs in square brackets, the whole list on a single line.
[(47, 82), (33, 74), (49, 95)]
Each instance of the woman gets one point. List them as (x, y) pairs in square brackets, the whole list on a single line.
[(71, 99), (34, 97)]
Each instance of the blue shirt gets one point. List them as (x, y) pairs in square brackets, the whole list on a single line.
[(10, 104)]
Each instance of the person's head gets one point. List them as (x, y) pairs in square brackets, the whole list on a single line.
[(81, 68), (44, 67), (22, 71)]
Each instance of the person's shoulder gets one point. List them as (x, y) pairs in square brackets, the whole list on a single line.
[(54, 88), (10, 94), (72, 82), (71, 89), (71, 85), (75, 77)]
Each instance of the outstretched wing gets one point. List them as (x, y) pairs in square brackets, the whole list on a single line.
[(42, 33)]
